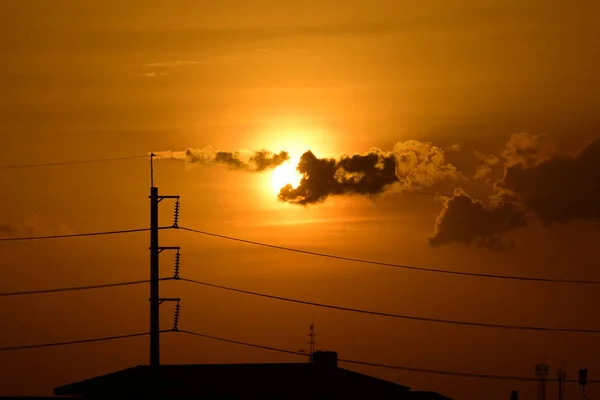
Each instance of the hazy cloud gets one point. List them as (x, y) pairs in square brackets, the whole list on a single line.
[(172, 64), (33, 225), (253, 161), (528, 150), (411, 165), (149, 74), (165, 68), (454, 148), (484, 170)]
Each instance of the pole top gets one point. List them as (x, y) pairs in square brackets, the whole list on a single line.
[(152, 155)]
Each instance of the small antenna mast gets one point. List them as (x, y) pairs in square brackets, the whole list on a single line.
[(312, 340)]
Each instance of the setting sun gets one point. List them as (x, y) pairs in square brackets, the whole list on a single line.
[(285, 174)]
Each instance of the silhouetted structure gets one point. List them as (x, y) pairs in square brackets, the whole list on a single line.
[(542, 371), (583, 380), (561, 375), (321, 379)]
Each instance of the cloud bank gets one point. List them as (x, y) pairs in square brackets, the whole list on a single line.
[(538, 182)]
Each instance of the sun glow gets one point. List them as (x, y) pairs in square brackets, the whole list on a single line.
[(285, 174)]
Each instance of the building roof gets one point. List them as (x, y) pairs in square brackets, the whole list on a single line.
[(290, 380)]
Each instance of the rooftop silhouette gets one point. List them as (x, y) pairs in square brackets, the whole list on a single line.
[(321, 379)]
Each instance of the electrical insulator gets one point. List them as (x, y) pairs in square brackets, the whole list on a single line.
[(176, 317), (176, 215), (177, 262)]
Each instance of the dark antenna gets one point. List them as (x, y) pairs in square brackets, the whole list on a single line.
[(312, 340)]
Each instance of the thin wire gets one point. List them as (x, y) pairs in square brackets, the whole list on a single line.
[(71, 235), (461, 374), (399, 316), (242, 343), (384, 264), (76, 288), (54, 344), (97, 160), (397, 367)]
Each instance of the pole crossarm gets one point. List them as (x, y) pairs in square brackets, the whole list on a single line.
[(163, 299), (161, 198), (163, 248)]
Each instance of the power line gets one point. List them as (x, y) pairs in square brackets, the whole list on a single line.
[(396, 367), (384, 264), (456, 373), (99, 160), (71, 235), (77, 288), (242, 343), (54, 344), (55, 164), (399, 316)]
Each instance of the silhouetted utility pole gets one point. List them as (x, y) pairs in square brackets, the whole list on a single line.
[(155, 251)]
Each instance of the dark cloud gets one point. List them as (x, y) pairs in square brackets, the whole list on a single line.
[(538, 182), (7, 229), (411, 165), (225, 158), (263, 160), (253, 161), (366, 174), (557, 188), (465, 220)]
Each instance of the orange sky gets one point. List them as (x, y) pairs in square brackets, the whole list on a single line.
[(97, 79)]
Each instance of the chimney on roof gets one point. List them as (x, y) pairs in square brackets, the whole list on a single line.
[(327, 359)]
